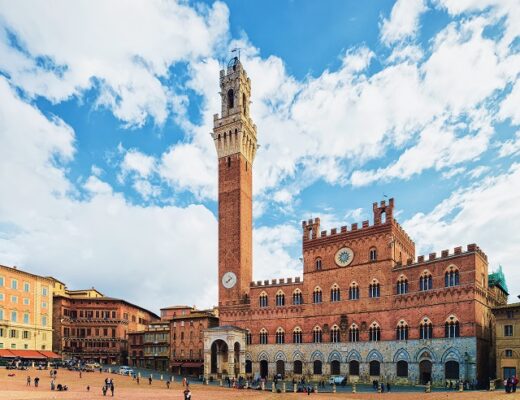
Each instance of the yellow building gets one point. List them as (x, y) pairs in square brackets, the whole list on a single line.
[(25, 310), (507, 342)]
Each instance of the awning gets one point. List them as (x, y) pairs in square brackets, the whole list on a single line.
[(192, 364), (28, 354), (4, 353), (49, 354), (176, 364)]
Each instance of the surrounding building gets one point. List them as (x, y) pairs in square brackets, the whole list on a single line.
[(367, 306), (507, 340), (25, 310), (175, 343), (150, 348), (91, 326)]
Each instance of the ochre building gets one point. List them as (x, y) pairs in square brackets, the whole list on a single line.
[(93, 327), (25, 310), (367, 307), (507, 340)]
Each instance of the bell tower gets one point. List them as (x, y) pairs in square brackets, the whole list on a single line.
[(234, 135)]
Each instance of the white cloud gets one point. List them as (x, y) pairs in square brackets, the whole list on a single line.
[(140, 163), (403, 22), (124, 50), (482, 214), (510, 147)]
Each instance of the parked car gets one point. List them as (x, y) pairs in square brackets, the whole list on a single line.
[(125, 370)]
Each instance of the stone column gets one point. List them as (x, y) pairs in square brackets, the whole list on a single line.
[(207, 363), (231, 362)]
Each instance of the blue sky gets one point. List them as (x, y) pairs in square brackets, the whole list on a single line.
[(110, 170)]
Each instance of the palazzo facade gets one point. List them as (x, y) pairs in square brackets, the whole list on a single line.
[(366, 308)]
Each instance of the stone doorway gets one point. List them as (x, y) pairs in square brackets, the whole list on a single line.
[(264, 368), (425, 371)]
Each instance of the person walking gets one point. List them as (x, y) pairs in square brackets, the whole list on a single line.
[(187, 394), (137, 379), (514, 382), (36, 381), (168, 384), (112, 387), (28, 381), (150, 380), (104, 390)]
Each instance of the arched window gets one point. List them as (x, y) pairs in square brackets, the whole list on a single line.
[(280, 299), (353, 368), (402, 285), (297, 335), (263, 336), (374, 289), (317, 263), (263, 299), (426, 281), (280, 336), (249, 338), (353, 291), (451, 277), (230, 98), (402, 369), (317, 295), (334, 293), (451, 327), (426, 329), (401, 332), (374, 332), (297, 298), (317, 335), (317, 367), (335, 334), (353, 333), (372, 254)]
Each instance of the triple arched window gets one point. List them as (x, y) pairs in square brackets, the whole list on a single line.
[(451, 327), (335, 294), (426, 329), (263, 336), (297, 297), (401, 331), (280, 336), (353, 333), (280, 299), (402, 285), (374, 332), (263, 299), (353, 291), (317, 295), (335, 334), (451, 277), (297, 335), (426, 281), (317, 335), (374, 289)]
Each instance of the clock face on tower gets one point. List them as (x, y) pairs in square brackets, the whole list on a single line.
[(229, 279), (344, 256)]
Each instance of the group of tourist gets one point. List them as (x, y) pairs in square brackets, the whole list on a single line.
[(510, 384), (36, 381)]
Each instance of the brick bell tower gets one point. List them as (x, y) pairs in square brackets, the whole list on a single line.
[(234, 135)]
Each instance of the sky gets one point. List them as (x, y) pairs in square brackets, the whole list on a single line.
[(109, 173)]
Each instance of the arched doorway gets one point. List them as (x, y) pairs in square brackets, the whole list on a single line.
[(452, 370), (280, 368), (317, 367), (425, 371), (335, 368), (219, 357), (298, 367), (264, 368), (249, 367), (375, 368), (353, 368)]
